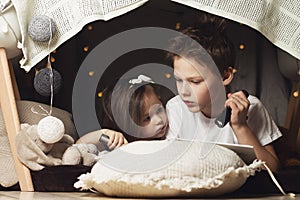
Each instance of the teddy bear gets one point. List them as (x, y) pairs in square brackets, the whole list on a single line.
[(35, 153)]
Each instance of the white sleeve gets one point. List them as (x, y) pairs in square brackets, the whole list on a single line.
[(261, 123), (174, 120)]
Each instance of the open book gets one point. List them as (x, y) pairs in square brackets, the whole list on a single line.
[(246, 152)]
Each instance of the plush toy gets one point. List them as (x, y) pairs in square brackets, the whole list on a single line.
[(80, 153), (36, 154)]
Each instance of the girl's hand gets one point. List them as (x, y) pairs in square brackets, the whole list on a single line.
[(116, 139), (239, 105)]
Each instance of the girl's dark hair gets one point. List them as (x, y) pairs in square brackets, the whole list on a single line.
[(210, 34), (123, 105)]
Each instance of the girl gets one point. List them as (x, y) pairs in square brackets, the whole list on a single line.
[(133, 108), (193, 112)]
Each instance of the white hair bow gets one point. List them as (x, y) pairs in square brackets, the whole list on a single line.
[(140, 79)]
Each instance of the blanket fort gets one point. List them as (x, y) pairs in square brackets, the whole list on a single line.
[(69, 16), (279, 21)]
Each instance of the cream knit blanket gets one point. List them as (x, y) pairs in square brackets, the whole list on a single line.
[(70, 16)]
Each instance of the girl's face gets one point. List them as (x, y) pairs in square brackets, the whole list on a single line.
[(192, 87), (153, 121)]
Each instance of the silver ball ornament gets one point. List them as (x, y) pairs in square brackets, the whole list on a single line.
[(41, 28), (42, 82)]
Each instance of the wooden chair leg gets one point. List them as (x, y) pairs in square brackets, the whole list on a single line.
[(14, 83), (11, 119)]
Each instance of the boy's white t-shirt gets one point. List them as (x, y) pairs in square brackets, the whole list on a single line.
[(187, 125)]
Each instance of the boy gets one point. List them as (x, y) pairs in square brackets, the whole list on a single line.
[(193, 111)]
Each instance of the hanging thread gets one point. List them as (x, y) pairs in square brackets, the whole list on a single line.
[(50, 129)]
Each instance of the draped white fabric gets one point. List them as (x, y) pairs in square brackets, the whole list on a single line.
[(69, 16), (278, 20)]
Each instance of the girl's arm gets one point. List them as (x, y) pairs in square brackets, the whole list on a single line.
[(116, 139), (239, 105)]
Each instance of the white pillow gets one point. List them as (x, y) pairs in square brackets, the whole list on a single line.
[(167, 168)]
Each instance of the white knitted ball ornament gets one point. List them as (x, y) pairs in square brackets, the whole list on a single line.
[(50, 129)]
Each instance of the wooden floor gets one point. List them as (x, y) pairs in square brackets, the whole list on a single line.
[(48, 195), (92, 196)]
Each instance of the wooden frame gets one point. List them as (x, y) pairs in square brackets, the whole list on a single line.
[(9, 93)]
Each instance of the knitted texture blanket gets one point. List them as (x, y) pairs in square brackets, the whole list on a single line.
[(69, 16)]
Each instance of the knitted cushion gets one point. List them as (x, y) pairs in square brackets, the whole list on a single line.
[(7, 171), (167, 169)]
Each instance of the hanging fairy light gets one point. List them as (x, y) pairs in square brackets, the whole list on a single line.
[(168, 75), (296, 92), (100, 94), (86, 49), (91, 73), (89, 27), (242, 46)]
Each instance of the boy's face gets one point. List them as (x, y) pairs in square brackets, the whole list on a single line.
[(154, 121), (193, 85)]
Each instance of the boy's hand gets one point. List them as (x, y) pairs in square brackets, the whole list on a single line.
[(116, 139), (239, 105)]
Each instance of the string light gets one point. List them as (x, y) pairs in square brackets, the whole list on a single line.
[(237, 68), (52, 59), (90, 27), (168, 75), (242, 46), (86, 48), (296, 93), (91, 73), (177, 26), (100, 94)]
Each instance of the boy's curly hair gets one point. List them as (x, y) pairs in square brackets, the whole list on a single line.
[(210, 34)]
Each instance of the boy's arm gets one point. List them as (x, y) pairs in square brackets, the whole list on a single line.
[(265, 153), (239, 105)]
